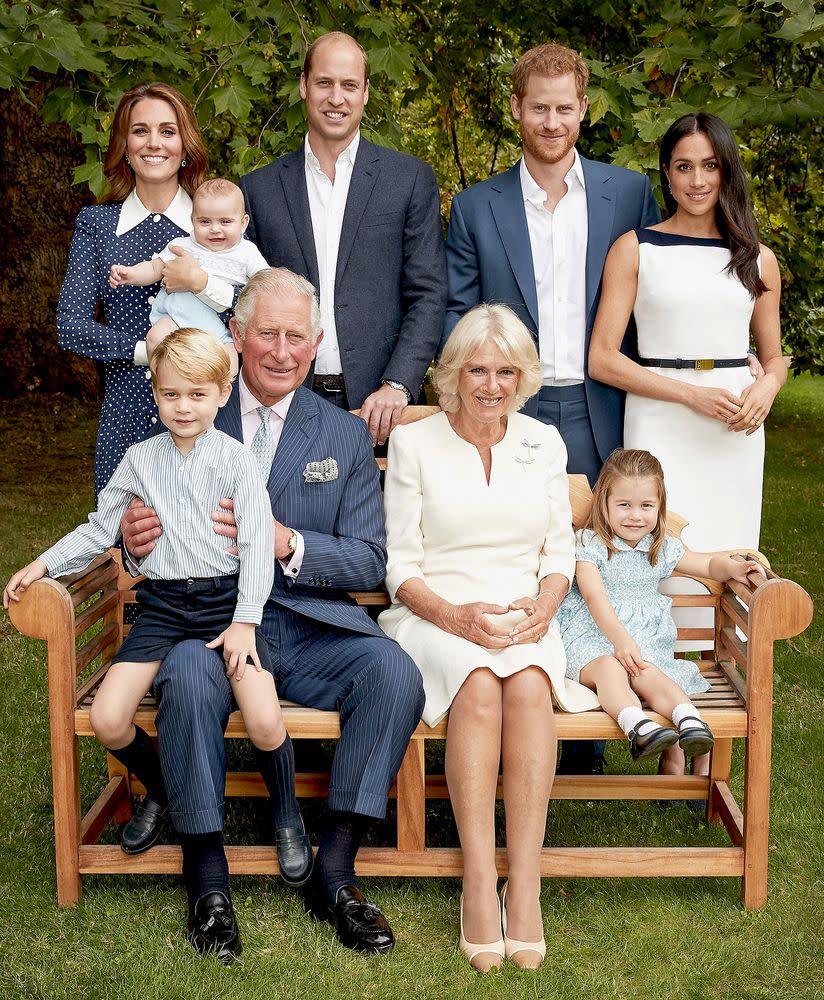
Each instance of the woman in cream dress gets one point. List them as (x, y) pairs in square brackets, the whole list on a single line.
[(481, 552)]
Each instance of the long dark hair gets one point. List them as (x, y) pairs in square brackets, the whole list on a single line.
[(733, 212), (119, 174)]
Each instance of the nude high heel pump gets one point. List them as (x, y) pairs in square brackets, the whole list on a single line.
[(472, 950), (513, 947)]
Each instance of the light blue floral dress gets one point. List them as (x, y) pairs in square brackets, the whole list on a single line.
[(632, 587)]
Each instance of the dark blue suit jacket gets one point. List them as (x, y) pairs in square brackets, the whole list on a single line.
[(489, 259), (390, 281), (341, 521)]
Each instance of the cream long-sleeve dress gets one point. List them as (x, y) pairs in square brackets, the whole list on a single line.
[(473, 541)]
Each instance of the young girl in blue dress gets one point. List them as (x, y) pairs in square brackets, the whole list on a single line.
[(617, 629)]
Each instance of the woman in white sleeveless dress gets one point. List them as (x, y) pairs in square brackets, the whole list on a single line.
[(701, 287)]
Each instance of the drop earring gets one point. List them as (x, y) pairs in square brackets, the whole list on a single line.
[(183, 162), (128, 161)]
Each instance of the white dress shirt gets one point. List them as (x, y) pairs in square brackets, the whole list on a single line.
[(218, 293), (250, 422), (327, 203), (558, 241)]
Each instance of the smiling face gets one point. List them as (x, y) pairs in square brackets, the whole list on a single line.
[(187, 409), (487, 385), (219, 220), (153, 143), (633, 507), (695, 175), (550, 115), (335, 92), (276, 344)]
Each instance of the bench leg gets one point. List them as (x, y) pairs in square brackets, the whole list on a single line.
[(411, 787), (719, 771), (66, 789)]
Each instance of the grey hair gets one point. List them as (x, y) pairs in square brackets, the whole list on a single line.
[(275, 281), (497, 325)]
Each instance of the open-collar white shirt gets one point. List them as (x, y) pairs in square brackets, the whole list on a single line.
[(558, 241), (250, 421), (327, 203)]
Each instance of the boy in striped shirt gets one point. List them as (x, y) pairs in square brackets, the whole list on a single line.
[(194, 588)]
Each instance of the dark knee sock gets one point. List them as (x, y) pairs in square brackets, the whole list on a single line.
[(278, 769), (205, 868), (335, 861), (140, 757)]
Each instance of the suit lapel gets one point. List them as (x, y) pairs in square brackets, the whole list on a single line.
[(293, 181), (228, 416), (299, 431), (600, 192), (507, 204), (364, 174)]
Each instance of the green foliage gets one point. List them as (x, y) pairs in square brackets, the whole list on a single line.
[(441, 88)]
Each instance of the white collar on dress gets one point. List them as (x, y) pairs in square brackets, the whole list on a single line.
[(535, 194), (644, 544), (133, 212)]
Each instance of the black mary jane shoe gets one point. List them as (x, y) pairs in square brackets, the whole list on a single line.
[(143, 829), (695, 740), (650, 743), (295, 857), (360, 925), (212, 928)]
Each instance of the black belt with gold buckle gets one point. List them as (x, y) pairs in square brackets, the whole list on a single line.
[(695, 364), (329, 383)]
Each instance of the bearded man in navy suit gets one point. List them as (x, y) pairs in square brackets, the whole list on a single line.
[(325, 651), (535, 238), (363, 224)]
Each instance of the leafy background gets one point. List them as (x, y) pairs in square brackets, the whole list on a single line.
[(440, 88)]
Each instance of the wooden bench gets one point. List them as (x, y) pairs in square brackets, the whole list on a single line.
[(81, 619)]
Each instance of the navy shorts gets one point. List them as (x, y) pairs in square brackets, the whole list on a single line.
[(174, 610)]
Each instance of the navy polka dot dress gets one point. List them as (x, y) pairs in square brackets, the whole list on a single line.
[(129, 411)]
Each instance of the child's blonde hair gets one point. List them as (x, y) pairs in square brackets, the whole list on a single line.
[(219, 187), (627, 463), (197, 356)]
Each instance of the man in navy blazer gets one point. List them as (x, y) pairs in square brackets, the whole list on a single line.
[(536, 237), (363, 224), (326, 652)]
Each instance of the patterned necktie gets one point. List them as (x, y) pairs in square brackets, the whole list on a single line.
[(263, 443)]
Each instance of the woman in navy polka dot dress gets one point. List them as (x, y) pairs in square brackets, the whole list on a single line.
[(154, 162)]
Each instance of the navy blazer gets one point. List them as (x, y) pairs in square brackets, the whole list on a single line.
[(341, 521), (390, 281), (489, 259)]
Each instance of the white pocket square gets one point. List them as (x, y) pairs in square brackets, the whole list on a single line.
[(321, 472)]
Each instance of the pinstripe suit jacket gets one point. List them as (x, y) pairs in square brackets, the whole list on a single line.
[(341, 521)]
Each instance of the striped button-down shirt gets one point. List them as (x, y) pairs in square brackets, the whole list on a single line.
[(184, 490)]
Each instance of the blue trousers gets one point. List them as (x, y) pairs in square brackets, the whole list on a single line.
[(374, 685), (565, 407)]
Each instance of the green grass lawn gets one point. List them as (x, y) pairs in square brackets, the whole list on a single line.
[(623, 938)]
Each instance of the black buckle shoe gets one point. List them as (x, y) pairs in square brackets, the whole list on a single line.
[(295, 856), (143, 829), (650, 743), (360, 925), (212, 928), (695, 740)]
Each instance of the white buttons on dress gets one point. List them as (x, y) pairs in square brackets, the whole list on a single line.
[(155, 218), (150, 299), (148, 373), (154, 420)]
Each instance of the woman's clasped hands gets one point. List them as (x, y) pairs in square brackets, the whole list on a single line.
[(476, 622)]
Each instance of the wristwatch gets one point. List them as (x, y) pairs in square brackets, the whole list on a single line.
[(292, 543), (399, 386)]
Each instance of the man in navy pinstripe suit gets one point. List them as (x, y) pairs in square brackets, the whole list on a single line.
[(326, 651)]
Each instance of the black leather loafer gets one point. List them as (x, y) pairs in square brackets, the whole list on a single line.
[(143, 829), (212, 928), (360, 925), (295, 856), (650, 743)]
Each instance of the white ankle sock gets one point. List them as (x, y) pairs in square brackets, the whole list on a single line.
[(629, 717), (684, 709)]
